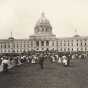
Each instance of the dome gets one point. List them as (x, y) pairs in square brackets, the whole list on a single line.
[(43, 25), (11, 38), (76, 35)]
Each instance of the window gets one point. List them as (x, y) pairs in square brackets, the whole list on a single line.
[(27, 45), (61, 43), (64, 49), (5, 46), (37, 43), (5, 50), (47, 43), (64, 44), (8, 45), (85, 49), (81, 49), (13, 45), (42, 29), (37, 48), (77, 44), (68, 49), (72, 44), (61, 49), (1, 45), (37, 30), (68, 43), (52, 43), (46, 30), (24, 45), (42, 43), (85, 40), (17, 45), (32, 43), (85, 44), (77, 49)]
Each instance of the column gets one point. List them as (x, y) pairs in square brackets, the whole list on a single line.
[(34, 44), (39, 45), (44, 45)]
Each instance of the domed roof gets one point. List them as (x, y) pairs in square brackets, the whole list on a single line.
[(43, 25), (43, 20), (11, 38)]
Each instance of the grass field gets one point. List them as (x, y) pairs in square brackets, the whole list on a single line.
[(52, 76)]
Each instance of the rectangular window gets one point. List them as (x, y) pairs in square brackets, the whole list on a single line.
[(61, 49), (47, 43), (77, 44), (17, 45), (42, 43), (68, 44), (1, 45), (8, 45), (37, 43), (68, 49), (85, 44), (64, 44), (52, 43), (61, 43), (72, 44), (5, 45)]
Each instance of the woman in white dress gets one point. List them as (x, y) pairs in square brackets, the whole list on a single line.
[(59, 60), (33, 60), (64, 60)]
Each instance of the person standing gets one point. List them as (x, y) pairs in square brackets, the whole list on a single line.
[(68, 60), (5, 64), (64, 60), (41, 61)]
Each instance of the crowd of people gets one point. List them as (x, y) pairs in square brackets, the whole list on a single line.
[(39, 58)]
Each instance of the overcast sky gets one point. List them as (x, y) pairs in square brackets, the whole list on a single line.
[(20, 17)]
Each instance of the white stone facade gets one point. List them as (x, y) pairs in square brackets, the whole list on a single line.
[(73, 44), (43, 39)]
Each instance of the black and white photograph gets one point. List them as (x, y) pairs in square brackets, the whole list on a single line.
[(43, 43)]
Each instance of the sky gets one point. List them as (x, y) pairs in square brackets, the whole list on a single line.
[(65, 16)]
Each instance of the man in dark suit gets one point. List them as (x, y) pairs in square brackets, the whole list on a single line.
[(41, 60)]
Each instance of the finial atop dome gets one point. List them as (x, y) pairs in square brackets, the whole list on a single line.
[(43, 14), (76, 33), (11, 34)]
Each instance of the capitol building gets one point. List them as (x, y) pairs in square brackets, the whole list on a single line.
[(44, 39)]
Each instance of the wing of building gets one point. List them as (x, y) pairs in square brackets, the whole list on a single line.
[(44, 39)]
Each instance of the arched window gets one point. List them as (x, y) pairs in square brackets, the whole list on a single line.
[(46, 29), (37, 43), (53, 43), (31, 43), (47, 43), (5, 46), (37, 30), (42, 43)]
